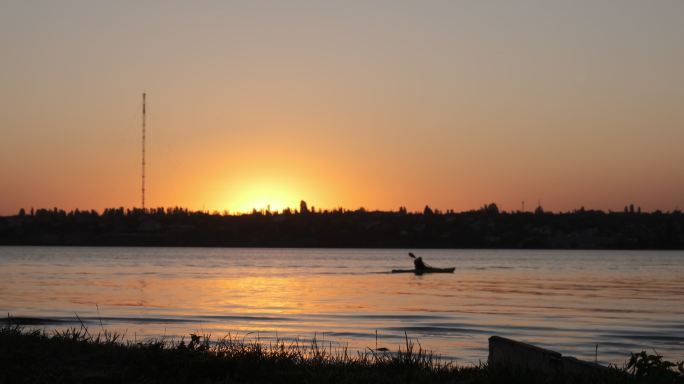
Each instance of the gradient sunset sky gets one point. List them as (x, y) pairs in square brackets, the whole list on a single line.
[(377, 104)]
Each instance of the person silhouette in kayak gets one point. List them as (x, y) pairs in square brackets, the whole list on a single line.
[(418, 262)]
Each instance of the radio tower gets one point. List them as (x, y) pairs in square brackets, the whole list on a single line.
[(143, 151)]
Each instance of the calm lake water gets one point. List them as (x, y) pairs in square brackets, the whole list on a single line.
[(565, 300)]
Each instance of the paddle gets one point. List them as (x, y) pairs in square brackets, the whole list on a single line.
[(412, 255)]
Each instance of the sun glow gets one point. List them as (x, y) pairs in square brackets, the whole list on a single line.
[(264, 195)]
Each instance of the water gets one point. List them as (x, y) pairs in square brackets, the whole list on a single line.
[(564, 300)]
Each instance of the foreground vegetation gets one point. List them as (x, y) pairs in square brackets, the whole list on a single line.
[(77, 356)]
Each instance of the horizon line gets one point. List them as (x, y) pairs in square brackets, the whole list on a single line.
[(491, 207)]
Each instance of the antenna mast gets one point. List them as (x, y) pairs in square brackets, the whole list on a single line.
[(143, 150)]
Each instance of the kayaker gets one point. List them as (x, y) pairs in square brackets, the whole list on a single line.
[(418, 262)]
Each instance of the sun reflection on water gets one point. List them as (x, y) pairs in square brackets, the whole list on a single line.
[(347, 295)]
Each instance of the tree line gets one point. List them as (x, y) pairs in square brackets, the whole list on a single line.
[(487, 227)]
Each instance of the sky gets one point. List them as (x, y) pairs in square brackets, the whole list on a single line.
[(375, 104)]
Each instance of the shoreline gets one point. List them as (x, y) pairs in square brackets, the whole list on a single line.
[(76, 355), (402, 248), (487, 228)]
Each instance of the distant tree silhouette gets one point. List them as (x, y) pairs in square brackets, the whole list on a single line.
[(490, 209), (487, 227), (303, 208)]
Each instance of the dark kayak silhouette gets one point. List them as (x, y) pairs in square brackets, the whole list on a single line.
[(421, 267), (425, 270)]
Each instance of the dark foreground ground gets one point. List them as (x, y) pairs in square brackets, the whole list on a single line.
[(76, 356)]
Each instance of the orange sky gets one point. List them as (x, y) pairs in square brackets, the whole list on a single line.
[(351, 104)]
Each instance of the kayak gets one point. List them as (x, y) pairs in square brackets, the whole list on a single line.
[(427, 270)]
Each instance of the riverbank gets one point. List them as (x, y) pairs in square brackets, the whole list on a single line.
[(487, 228), (77, 356)]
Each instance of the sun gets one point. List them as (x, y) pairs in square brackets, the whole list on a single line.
[(263, 195)]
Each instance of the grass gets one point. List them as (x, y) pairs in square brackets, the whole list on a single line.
[(75, 355)]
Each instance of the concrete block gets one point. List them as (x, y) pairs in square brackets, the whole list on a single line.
[(514, 354)]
